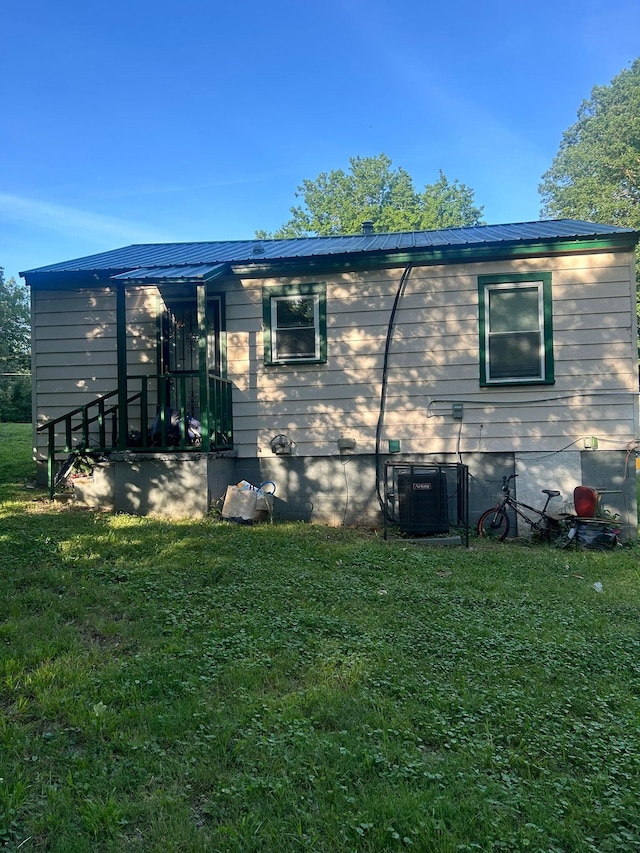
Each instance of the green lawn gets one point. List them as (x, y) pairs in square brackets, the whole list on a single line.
[(199, 686)]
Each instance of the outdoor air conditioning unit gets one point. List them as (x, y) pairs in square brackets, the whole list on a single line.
[(422, 502)]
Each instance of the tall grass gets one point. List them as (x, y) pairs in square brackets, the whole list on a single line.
[(199, 686), (16, 464)]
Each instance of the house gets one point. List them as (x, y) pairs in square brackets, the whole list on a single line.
[(313, 362)]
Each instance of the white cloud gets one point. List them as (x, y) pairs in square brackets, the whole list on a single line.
[(73, 222)]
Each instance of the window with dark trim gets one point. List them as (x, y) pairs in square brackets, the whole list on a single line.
[(516, 330), (295, 324)]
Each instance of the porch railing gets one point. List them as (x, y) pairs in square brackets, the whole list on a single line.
[(157, 420)]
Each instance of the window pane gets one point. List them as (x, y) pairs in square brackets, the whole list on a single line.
[(514, 310), (298, 343), (514, 356), (295, 333), (295, 323), (294, 313)]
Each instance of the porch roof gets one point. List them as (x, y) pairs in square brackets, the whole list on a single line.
[(183, 273)]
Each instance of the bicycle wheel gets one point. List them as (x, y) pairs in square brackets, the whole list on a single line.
[(494, 524)]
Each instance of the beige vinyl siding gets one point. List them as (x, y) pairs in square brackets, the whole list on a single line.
[(75, 346), (434, 360)]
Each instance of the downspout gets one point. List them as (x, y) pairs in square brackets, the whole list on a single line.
[(121, 341), (385, 376)]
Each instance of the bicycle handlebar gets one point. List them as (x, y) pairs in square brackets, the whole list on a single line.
[(506, 480)]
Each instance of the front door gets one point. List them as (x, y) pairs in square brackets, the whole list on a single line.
[(179, 355)]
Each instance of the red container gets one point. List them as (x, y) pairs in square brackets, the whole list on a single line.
[(585, 500)]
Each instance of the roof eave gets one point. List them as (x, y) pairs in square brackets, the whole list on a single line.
[(372, 258), (443, 254)]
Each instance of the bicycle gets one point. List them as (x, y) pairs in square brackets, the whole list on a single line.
[(495, 524)]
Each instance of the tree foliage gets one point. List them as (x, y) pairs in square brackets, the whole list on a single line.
[(338, 202), (596, 172), (15, 352)]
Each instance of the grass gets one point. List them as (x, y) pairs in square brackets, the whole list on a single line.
[(198, 686)]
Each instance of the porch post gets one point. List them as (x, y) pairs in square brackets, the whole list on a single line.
[(203, 366), (121, 339)]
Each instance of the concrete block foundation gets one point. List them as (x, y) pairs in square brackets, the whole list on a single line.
[(343, 490)]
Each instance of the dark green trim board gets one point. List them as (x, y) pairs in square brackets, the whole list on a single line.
[(159, 305), (216, 329), (519, 279), (325, 264), (70, 280), (121, 338), (318, 289), (222, 308), (203, 367)]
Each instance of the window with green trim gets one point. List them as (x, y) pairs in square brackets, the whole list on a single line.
[(295, 324), (516, 331)]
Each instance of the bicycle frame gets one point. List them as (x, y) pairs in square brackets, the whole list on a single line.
[(540, 521), (518, 506)]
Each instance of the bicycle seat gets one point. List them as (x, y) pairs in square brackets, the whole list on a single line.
[(553, 493)]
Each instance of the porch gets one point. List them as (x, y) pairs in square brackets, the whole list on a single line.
[(149, 415)]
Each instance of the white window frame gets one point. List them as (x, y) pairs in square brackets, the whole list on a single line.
[(506, 283), (274, 295), (276, 354)]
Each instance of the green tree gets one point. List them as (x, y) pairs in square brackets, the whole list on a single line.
[(338, 202), (596, 172), (15, 352)]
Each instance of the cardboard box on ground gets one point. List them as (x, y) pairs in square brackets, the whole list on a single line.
[(246, 503)]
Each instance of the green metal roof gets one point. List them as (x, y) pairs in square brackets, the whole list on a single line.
[(202, 261)]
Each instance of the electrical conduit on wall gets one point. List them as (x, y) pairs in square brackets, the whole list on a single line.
[(385, 374)]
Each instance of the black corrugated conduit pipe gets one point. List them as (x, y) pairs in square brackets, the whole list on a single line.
[(385, 375)]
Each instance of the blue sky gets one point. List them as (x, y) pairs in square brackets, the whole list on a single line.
[(139, 121)]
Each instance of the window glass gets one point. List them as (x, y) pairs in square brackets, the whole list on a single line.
[(513, 310), (294, 319), (515, 329), (295, 327), (514, 356)]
